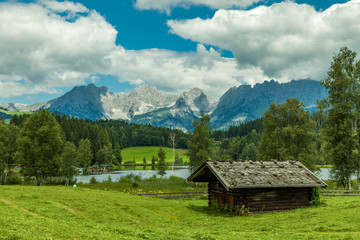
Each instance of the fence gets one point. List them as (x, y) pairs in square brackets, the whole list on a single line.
[(175, 194), (340, 192)]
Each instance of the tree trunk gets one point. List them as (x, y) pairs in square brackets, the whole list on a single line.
[(349, 182)]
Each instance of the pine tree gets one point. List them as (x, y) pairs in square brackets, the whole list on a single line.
[(161, 163)]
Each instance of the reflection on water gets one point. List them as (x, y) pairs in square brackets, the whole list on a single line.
[(143, 171)]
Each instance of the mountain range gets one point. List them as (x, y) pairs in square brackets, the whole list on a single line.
[(148, 105)]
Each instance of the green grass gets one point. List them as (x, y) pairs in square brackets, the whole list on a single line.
[(324, 166), (15, 113), (57, 212), (139, 153)]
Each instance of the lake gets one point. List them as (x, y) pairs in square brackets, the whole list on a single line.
[(144, 172), (179, 171)]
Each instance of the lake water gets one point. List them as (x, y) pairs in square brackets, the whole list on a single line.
[(144, 172), (179, 171), (324, 174)]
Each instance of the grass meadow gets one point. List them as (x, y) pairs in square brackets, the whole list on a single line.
[(58, 212), (128, 154)]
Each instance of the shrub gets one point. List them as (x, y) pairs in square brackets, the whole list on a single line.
[(315, 197), (93, 180), (14, 180)]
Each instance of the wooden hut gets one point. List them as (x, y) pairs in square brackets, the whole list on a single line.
[(258, 186)]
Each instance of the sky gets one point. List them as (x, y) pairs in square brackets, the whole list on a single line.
[(47, 47)]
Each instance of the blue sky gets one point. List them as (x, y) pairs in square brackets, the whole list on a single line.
[(50, 46)]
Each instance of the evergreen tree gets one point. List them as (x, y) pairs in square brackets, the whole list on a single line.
[(161, 163), (342, 106), (68, 161), (200, 143), (250, 152), (39, 146), (117, 153), (288, 133), (84, 155)]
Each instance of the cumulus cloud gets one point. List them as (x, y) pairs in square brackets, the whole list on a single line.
[(167, 5), (176, 72), (47, 49), (48, 44), (285, 40)]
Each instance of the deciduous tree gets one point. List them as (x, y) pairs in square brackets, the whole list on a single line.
[(39, 146), (200, 143), (288, 133), (342, 106), (68, 161)]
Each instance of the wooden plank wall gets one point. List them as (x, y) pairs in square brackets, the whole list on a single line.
[(259, 199)]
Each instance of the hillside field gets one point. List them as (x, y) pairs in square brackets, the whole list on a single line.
[(58, 212), (139, 153)]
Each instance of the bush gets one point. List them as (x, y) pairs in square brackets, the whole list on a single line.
[(315, 197), (14, 180), (93, 180)]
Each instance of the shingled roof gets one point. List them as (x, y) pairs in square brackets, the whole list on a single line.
[(252, 174)]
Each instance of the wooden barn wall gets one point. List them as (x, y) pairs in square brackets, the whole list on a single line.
[(259, 199)]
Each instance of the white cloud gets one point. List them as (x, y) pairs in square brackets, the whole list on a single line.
[(286, 40), (176, 72), (42, 50), (167, 5), (46, 49)]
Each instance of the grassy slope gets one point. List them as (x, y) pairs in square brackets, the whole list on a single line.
[(140, 152), (14, 113), (29, 212)]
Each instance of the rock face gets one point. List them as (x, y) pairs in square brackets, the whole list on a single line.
[(246, 103), (148, 105), (82, 102), (140, 101), (189, 106)]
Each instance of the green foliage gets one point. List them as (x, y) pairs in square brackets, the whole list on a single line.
[(117, 153), (239, 131), (288, 133), (161, 161), (200, 143), (84, 154), (250, 152), (342, 106), (316, 197), (178, 160), (39, 146), (8, 136), (93, 180), (68, 161), (105, 155)]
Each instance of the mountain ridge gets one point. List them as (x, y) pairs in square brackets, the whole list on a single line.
[(148, 105)]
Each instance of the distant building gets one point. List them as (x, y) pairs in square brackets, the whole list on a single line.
[(258, 186)]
